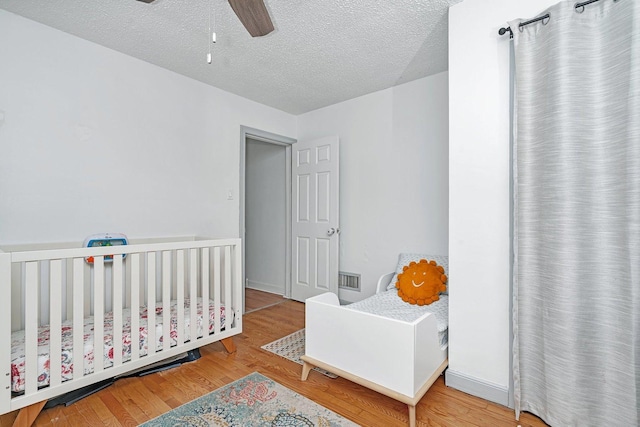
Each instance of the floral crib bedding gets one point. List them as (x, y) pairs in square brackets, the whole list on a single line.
[(18, 341)]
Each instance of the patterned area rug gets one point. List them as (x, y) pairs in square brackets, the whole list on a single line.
[(254, 400), (292, 347)]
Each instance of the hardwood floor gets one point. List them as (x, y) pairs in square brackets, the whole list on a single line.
[(256, 300), (132, 401)]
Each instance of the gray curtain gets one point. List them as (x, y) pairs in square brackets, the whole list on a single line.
[(577, 215)]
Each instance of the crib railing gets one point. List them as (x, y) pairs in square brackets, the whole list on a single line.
[(49, 287)]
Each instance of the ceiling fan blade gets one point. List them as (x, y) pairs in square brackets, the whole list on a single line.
[(254, 16)]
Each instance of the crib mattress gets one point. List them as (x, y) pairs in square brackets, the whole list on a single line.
[(389, 304), (18, 341)]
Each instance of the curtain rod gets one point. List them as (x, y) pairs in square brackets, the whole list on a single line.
[(577, 6)]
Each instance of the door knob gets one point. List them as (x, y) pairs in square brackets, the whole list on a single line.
[(331, 231)]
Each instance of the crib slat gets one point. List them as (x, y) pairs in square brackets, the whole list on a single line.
[(233, 320), (98, 314), (193, 293), (166, 300), (117, 309), (5, 332), (69, 288), (88, 290), (32, 283), (143, 276), (55, 322), (78, 318), (205, 291), (216, 290), (174, 277), (228, 295), (134, 263), (43, 293), (228, 311), (151, 303), (180, 295), (17, 296)]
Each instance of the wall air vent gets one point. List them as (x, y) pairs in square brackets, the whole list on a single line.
[(349, 281)]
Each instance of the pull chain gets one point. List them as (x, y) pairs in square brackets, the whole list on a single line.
[(210, 34)]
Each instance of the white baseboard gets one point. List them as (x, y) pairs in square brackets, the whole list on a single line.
[(265, 287), (476, 387)]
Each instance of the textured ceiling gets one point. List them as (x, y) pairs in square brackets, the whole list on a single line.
[(321, 52)]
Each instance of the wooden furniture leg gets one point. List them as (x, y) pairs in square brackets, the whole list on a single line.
[(412, 415), (306, 368), (229, 345), (28, 414)]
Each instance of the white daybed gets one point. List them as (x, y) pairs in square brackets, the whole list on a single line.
[(398, 358), (48, 294)]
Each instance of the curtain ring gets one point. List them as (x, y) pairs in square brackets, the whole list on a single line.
[(577, 7), (546, 20)]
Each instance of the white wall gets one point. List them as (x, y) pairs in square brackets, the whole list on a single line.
[(393, 175), (96, 141), (265, 216), (479, 214)]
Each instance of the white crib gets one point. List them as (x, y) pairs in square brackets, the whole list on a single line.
[(58, 288)]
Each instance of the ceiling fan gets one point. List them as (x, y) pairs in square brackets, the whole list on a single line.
[(253, 15)]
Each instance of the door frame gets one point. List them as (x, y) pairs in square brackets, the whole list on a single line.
[(286, 142)]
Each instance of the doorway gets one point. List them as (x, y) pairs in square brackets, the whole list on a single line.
[(265, 212)]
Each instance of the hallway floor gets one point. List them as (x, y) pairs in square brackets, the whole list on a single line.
[(256, 300)]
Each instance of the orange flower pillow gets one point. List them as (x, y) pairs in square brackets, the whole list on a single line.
[(421, 282)]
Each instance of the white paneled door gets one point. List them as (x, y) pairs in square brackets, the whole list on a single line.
[(315, 218)]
